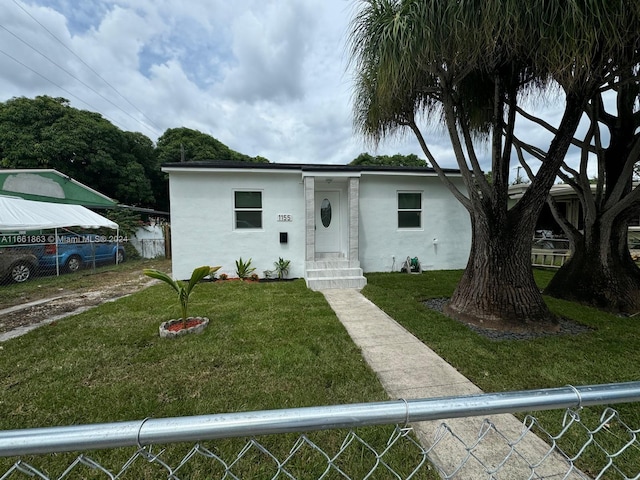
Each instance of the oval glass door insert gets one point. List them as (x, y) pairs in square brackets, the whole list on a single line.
[(325, 212)]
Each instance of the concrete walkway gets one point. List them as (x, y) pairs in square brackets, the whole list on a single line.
[(409, 369)]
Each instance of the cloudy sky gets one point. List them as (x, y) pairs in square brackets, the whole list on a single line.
[(265, 77)]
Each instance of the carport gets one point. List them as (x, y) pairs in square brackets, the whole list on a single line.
[(18, 216)]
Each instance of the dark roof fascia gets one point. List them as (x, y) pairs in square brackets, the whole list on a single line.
[(303, 167), (150, 211)]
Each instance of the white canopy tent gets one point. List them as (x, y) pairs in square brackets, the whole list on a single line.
[(18, 214)]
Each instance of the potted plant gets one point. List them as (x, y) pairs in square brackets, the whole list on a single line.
[(282, 267), (244, 269), (184, 290)]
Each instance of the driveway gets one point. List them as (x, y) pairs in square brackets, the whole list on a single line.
[(34, 311)]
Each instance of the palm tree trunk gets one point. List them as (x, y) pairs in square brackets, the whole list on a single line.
[(497, 289), (600, 272)]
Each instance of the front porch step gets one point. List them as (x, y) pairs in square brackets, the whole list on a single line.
[(330, 264), (325, 274), (333, 272), (336, 282)]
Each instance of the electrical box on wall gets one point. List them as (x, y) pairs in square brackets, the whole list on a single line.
[(284, 237)]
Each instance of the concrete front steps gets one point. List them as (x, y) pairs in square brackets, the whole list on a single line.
[(327, 273)]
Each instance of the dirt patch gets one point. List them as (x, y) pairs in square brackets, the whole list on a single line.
[(104, 287)]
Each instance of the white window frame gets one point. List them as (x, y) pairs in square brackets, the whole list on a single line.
[(248, 209), (419, 210)]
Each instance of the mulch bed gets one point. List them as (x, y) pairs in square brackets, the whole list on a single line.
[(565, 326)]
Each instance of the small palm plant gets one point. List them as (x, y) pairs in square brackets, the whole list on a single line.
[(244, 269), (282, 267), (184, 289)]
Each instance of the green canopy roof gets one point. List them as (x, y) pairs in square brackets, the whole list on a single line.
[(47, 185)]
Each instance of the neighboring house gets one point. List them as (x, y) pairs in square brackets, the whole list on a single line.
[(568, 203), (332, 221)]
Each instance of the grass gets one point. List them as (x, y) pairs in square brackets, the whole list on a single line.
[(279, 345), (609, 353), (268, 346)]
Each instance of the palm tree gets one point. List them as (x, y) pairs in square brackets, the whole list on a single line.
[(469, 65), (182, 288)]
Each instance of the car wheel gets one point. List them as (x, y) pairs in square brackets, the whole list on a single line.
[(73, 264), (20, 272), (119, 256)]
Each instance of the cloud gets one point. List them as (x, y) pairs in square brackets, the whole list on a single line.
[(269, 50), (265, 77)]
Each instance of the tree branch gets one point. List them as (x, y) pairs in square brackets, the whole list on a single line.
[(465, 201), (521, 159), (451, 122), (547, 126), (619, 207), (572, 232), (627, 173), (536, 194)]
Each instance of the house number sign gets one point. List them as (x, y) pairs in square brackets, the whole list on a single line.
[(284, 217)]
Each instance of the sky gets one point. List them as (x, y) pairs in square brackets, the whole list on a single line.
[(265, 77)]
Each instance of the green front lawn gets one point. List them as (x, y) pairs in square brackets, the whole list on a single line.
[(279, 345), (608, 353), (268, 346)]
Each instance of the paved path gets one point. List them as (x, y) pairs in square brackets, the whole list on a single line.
[(409, 369)]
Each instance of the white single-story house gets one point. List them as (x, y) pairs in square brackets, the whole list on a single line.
[(333, 222)]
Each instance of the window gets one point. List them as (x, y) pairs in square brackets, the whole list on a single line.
[(325, 213), (409, 210), (248, 209)]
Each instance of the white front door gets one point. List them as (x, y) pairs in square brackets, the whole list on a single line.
[(327, 213)]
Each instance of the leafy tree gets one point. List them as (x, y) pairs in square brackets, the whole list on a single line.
[(185, 144), (24, 125), (469, 65), (386, 160), (46, 132)]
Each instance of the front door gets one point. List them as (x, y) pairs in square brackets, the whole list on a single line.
[(327, 213)]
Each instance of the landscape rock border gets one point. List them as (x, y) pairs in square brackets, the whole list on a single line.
[(195, 330)]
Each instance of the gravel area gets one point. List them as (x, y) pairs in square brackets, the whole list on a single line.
[(567, 327)]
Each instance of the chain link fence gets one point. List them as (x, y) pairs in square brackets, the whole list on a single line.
[(26, 256), (364, 441)]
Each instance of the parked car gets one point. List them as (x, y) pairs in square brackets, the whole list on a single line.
[(16, 265), (77, 251)]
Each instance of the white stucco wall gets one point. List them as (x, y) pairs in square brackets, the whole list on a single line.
[(443, 218), (203, 233), (202, 221)]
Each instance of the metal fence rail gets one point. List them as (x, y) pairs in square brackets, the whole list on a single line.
[(145, 433), (549, 258)]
